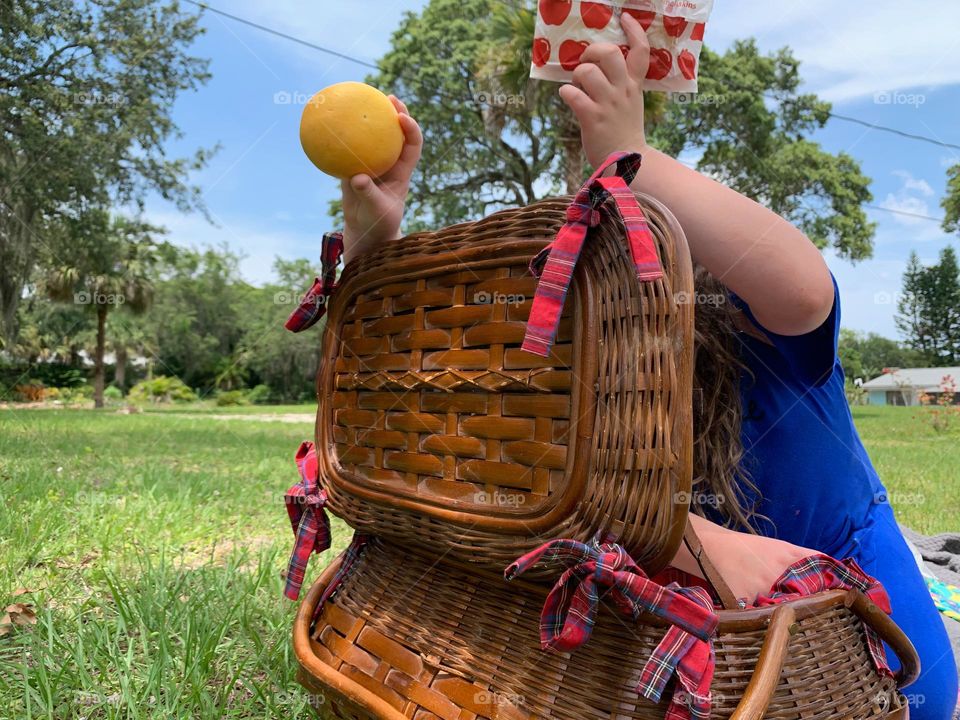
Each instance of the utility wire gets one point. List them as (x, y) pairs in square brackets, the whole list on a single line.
[(365, 63)]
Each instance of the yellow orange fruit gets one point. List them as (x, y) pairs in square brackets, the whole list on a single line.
[(351, 128)]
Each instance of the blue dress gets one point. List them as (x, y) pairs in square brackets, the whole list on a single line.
[(820, 490)]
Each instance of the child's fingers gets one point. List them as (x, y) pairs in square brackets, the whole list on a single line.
[(638, 59), (609, 58), (591, 80), (365, 188), (578, 101), (399, 105), (410, 154)]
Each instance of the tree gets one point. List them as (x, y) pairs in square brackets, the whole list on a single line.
[(951, 201), (495, 138), (865, 355), (109, 266), (928, 314), (86, 93)]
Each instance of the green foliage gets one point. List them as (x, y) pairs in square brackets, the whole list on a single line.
[(951, 201), (259, 395), (865, 355), (87, 89), (226, 398), (751, 122), (928, 313), (113, 394), (161, 389)]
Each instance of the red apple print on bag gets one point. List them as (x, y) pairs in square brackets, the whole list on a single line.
[(674, 25), (687, 64), (697, 33), (541, 51), (625, 49), (554, 12), (570, 52), (660, 63), (595, 15), (644, 17)]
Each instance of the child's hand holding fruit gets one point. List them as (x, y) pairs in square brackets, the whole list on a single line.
[(356, 133)]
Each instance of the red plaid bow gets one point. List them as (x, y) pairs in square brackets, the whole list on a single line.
[(311, 526), (313, 305), (821, 572), (570, 610), (559, 258)]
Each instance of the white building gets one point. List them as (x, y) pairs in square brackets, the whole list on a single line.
[(903, 386)]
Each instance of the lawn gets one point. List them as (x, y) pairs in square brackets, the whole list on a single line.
[(152, 547)]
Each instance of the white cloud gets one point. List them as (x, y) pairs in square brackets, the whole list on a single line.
[(854, 49), (911, 199), (916, 184)]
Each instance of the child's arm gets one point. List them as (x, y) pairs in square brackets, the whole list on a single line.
[(373, 209), (753, 251)]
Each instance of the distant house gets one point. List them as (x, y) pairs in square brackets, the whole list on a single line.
[(903, 386)]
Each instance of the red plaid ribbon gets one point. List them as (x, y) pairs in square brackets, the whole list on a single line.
[(350, 558), (570, 610), (313, 305), (559, 258), (821, 572), (311, 526)]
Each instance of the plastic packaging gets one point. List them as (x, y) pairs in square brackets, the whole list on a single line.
[(675, 28)]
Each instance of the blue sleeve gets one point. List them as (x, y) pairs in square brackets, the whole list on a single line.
[(811, 356)]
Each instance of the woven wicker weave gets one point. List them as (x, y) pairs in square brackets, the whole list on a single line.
[(459, 452), (436, 429)]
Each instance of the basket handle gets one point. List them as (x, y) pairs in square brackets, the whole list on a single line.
[(766, 675), (871, 615)]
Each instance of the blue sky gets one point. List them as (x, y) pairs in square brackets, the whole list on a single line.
[(894, 68)]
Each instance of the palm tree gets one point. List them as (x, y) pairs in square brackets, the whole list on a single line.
[(507, 69), (110, 266)]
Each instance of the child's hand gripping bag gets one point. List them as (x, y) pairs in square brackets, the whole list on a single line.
[(675, 28)]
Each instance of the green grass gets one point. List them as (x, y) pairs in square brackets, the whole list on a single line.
[(154, 544), (919, 466)]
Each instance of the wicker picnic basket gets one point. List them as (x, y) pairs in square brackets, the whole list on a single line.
[(453, 452)]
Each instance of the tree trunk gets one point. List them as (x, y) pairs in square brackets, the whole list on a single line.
[(574, 164), (98, 359), (120, 373)]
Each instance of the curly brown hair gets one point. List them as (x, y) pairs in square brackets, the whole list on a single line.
[(721, 482)]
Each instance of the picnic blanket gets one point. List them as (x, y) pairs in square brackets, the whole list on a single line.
[(938, 557)]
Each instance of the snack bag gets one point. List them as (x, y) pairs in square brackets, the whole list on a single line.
[(675, 28)]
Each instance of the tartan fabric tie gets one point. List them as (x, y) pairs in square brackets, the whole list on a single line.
[(818, 573), (570, 610), (313, 305), (350, 558), (555, 263), (311, 526)]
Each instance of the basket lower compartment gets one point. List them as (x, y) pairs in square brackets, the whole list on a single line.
[(418, 637)]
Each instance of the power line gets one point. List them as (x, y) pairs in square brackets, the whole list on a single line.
[(905, 212), (283, 35), (368, 64)]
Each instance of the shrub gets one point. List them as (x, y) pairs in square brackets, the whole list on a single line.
[(161, 389), (113, 393), (30, 391), (260, 395), (232, 397)]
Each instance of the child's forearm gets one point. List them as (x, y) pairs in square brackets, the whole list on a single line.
[(750, 249)]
